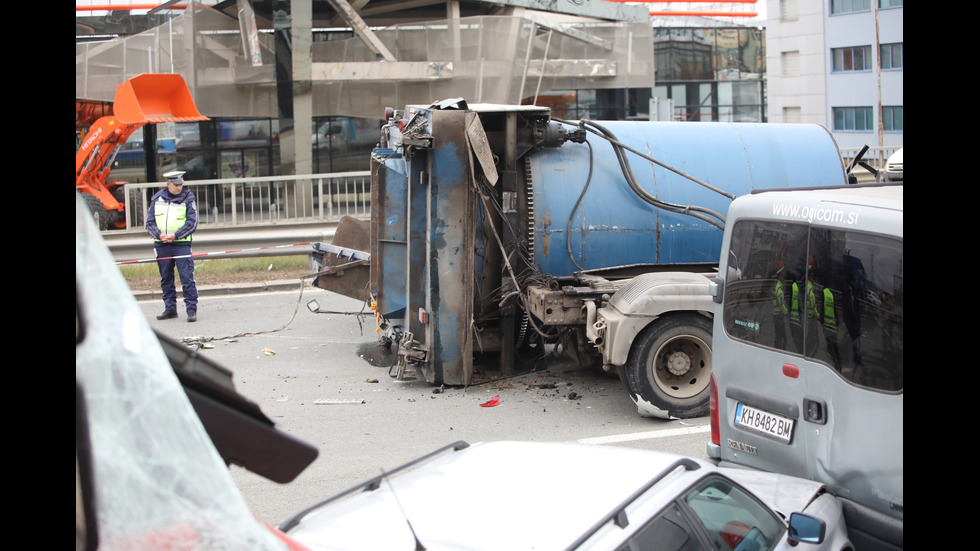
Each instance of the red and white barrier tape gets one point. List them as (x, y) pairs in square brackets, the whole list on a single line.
[(196, 255)]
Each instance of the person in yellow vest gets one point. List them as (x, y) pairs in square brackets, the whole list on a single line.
[(811, 333), (795, 317), (830, 326), (779, 310), (171, 222)]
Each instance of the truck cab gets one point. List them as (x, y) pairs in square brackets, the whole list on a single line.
[(808, 375)]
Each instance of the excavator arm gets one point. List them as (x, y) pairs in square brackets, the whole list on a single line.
[(144, 99)]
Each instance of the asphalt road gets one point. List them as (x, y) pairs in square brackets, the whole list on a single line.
[(323, 379)]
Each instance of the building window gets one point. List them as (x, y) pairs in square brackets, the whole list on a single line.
[(885, 4), (893, 118), (892, 56), (853, 119), (791, 64), (792, 115), (849, 6), (855, 58), (788, 10)]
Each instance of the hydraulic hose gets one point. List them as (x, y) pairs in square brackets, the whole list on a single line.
[(620, 150)]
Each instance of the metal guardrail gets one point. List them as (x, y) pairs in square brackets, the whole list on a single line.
[(876, 156), (236, 202)]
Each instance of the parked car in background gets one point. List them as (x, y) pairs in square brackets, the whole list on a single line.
[(541, 495), (894, 167)]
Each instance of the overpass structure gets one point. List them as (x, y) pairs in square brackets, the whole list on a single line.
[(264, 58)]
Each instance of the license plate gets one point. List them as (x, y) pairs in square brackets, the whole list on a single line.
[(758, 420)]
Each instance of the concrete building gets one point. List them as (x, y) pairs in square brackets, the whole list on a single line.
[(838, 63)]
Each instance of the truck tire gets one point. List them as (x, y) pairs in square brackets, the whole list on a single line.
[(135, 202), (669, 367), (98, 211)]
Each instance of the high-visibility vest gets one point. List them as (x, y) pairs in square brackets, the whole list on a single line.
[(794, 305), (829, 313), (170, 217), (779, 300), (811, 302)]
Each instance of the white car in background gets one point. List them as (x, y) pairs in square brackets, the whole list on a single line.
[(894, 169)]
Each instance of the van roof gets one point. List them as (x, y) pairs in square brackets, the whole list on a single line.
[(889, 196), (873, 207)]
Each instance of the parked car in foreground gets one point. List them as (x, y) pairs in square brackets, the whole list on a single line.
[(540, 495)]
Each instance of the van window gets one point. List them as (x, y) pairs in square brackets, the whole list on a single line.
[(833, 296)]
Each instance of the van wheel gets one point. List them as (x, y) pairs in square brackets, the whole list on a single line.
[(669, 367)]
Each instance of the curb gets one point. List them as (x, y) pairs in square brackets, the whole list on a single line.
[(230, 289)]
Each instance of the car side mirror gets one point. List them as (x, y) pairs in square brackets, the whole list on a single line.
[(806, 529)]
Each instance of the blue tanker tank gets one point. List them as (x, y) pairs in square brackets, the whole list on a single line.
[(587, 215)]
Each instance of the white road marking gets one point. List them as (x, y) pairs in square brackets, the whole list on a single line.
[(645, 435)]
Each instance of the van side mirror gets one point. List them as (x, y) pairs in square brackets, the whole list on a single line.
[(806, 529)]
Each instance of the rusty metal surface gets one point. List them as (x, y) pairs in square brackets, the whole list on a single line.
[(343, 274), (450, 250)]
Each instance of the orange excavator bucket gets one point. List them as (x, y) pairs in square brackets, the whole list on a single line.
[(153, 98)]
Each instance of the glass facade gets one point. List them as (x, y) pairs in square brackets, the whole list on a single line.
[(343, 144), (711, 74)]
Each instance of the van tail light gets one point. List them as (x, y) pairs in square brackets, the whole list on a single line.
[(791, 371), (713, 409)]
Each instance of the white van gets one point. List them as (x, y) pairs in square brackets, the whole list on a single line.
[(808, 375)]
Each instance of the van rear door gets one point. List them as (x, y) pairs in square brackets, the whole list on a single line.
[(809, 344)]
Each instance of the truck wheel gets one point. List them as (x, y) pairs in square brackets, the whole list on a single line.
[(669, 367), (98, 211), (135, 201)]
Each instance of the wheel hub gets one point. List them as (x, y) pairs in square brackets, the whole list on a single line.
[(678, 363)]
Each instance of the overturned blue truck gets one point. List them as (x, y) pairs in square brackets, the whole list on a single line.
[(499, 231)]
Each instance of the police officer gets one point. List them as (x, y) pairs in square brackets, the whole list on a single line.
[(171, 220)]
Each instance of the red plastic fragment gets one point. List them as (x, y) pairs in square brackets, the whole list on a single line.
[(491, 403)]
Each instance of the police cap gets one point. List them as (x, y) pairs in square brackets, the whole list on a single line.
[(175, 176)]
